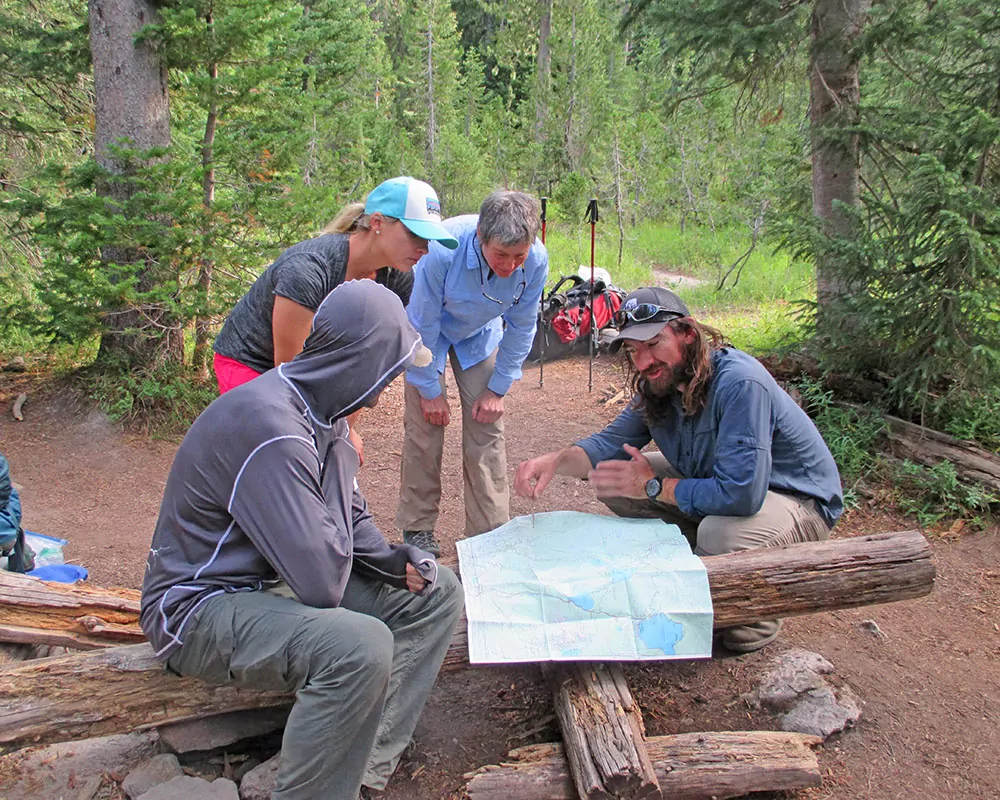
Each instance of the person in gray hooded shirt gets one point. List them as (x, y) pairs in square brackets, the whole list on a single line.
[(266, 569)]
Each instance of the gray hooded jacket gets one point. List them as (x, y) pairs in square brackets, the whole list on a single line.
[(263, 486)]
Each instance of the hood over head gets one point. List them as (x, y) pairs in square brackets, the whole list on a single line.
[(360, 340)]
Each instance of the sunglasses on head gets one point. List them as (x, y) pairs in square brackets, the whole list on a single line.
[(643, 312)]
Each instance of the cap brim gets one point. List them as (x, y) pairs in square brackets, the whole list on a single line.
[(640, 332), (422, 357), (431, 231)]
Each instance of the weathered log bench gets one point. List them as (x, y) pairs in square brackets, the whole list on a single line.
[(118, 689)]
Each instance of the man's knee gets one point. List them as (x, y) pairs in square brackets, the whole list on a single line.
[(623, 507), (717, 535), (368, 651), (448, 594)]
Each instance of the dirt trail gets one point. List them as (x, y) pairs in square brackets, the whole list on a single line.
[(931, 687)]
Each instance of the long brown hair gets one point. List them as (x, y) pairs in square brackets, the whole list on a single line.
[(696, 372)]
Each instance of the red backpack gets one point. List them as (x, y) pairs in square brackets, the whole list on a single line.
[(565, 315)]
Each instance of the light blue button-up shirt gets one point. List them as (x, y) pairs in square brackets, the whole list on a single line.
[(449, 310)]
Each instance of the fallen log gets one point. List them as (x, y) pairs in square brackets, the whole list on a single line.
[(929, 447), (68, 615), (108, 691), (689, 766), (603, 732), (18, 405), (773, 582), (123, 688)]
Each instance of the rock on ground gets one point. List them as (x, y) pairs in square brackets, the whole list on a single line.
[(259, 782), (795, 689), (193, 789), (54, 771), (159, 769)]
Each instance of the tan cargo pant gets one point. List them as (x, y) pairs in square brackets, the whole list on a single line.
[(783, 519), (484, 459)]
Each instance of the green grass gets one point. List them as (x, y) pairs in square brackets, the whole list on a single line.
[(758, 314), (569, 249)]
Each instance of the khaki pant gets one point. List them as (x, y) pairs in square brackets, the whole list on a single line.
[(783, 519), (484, 459)]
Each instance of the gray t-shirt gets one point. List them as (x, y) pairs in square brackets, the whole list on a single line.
[(305, 273)]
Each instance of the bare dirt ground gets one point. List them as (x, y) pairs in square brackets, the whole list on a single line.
[(931, 686)]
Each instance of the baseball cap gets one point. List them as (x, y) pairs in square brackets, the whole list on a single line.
[(644, 313), (415, 204)]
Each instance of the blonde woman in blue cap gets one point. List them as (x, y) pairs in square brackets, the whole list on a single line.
[(381, 239)]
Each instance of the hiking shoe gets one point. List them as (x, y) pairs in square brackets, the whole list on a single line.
[(750, 638), (424, 540)]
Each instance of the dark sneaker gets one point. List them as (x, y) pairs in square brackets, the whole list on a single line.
[(750, 638), (424, 540)]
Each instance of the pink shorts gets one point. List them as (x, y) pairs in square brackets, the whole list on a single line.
[(230, 373)]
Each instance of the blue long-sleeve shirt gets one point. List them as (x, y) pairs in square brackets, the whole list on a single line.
[(750, 437), (448, 309)]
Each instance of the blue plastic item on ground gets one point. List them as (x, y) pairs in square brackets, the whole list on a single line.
[(47, 549), (64, 573)]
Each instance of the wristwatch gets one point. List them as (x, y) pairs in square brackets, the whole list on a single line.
[(653, 488)]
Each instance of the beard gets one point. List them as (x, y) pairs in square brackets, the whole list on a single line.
[(667, 382), (656, 396)]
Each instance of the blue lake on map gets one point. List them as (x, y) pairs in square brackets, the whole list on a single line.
[(660, 633)]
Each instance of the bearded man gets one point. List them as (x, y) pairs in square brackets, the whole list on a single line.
[(738, 464)]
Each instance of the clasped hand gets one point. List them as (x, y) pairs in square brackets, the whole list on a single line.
[(617, 478)]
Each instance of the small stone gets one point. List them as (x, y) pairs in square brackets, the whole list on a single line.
[(156, 770), (193, 789), (259, 782), (870, 626)]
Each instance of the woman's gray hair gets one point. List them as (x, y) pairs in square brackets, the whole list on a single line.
[(509, 218)]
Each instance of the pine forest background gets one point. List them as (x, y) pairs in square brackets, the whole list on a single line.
[(829, 169)]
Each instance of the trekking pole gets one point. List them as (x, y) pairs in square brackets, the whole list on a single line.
[(540, 331), (593, 217)]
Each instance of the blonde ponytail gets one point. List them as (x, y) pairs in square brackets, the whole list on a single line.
[(349, 219)]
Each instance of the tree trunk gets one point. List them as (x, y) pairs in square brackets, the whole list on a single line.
[(431, 121), (69, 698), (202, 323), (131, 108), (834, 96), (543, 82), (689, 766)]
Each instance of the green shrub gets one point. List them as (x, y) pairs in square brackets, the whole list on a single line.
[(935, 493), (854, 435), (163, 400)]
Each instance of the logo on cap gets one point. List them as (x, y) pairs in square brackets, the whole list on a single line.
[(433, 206), (630, 304)]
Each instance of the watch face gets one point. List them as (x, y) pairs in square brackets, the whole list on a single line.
[(653, 486)]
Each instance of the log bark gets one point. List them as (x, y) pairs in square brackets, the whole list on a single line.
[(69, 615), (929, 447), (688, 766), (103, 692), (124, 688), (603, 732)]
